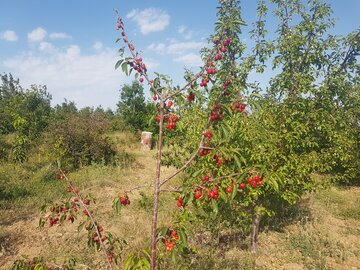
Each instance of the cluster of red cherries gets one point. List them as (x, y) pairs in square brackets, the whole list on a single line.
[(171, 119), (170, 242), (216, 114), (218, 159), (137, 63), (211, 193), (191, 97), (239, 107)]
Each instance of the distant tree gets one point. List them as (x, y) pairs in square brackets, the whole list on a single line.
[(132, 106), (66, 107), (9, 88), (30, 111)]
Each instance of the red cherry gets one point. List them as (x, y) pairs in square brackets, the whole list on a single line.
[(197, 195), (86, 202), (242, 185), (124, 200), (229, 189), (170, 104), (179, 204), (141, 80), (155, 98)]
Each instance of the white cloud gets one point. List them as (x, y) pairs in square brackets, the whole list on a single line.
[(190, 59), (181, 47), (183, 52), (159, 48), (181, 29), (9, 35), (59, 35), (97, 45), (187, 34), (175, 47), (150, 19), (151, 63), (37, 35), (87, 79), (46, 47)]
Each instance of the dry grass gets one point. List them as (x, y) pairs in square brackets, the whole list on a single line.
[(326, 236), (19, 235)]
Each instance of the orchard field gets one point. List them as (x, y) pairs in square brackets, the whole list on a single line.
[(240, 176)]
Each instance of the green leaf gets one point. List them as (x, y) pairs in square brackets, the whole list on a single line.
[(129, 262), (182, 235), (256, 95), (124, 68), (237, 161), (234, 192), (240, 22), (173, 258), (117, 206), (118, 63), (196, 173), (146, 264), (81, 226), (62, 218)]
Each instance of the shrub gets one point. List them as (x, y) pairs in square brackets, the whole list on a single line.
[(78, 140)]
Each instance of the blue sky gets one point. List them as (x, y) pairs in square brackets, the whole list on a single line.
[(69, 45)]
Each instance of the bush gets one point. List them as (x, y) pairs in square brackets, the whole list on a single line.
[(78, 140)]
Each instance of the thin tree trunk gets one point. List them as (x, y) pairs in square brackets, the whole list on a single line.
[(156, 190), (255, 230)]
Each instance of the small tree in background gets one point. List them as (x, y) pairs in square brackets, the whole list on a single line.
[(132, 106)]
